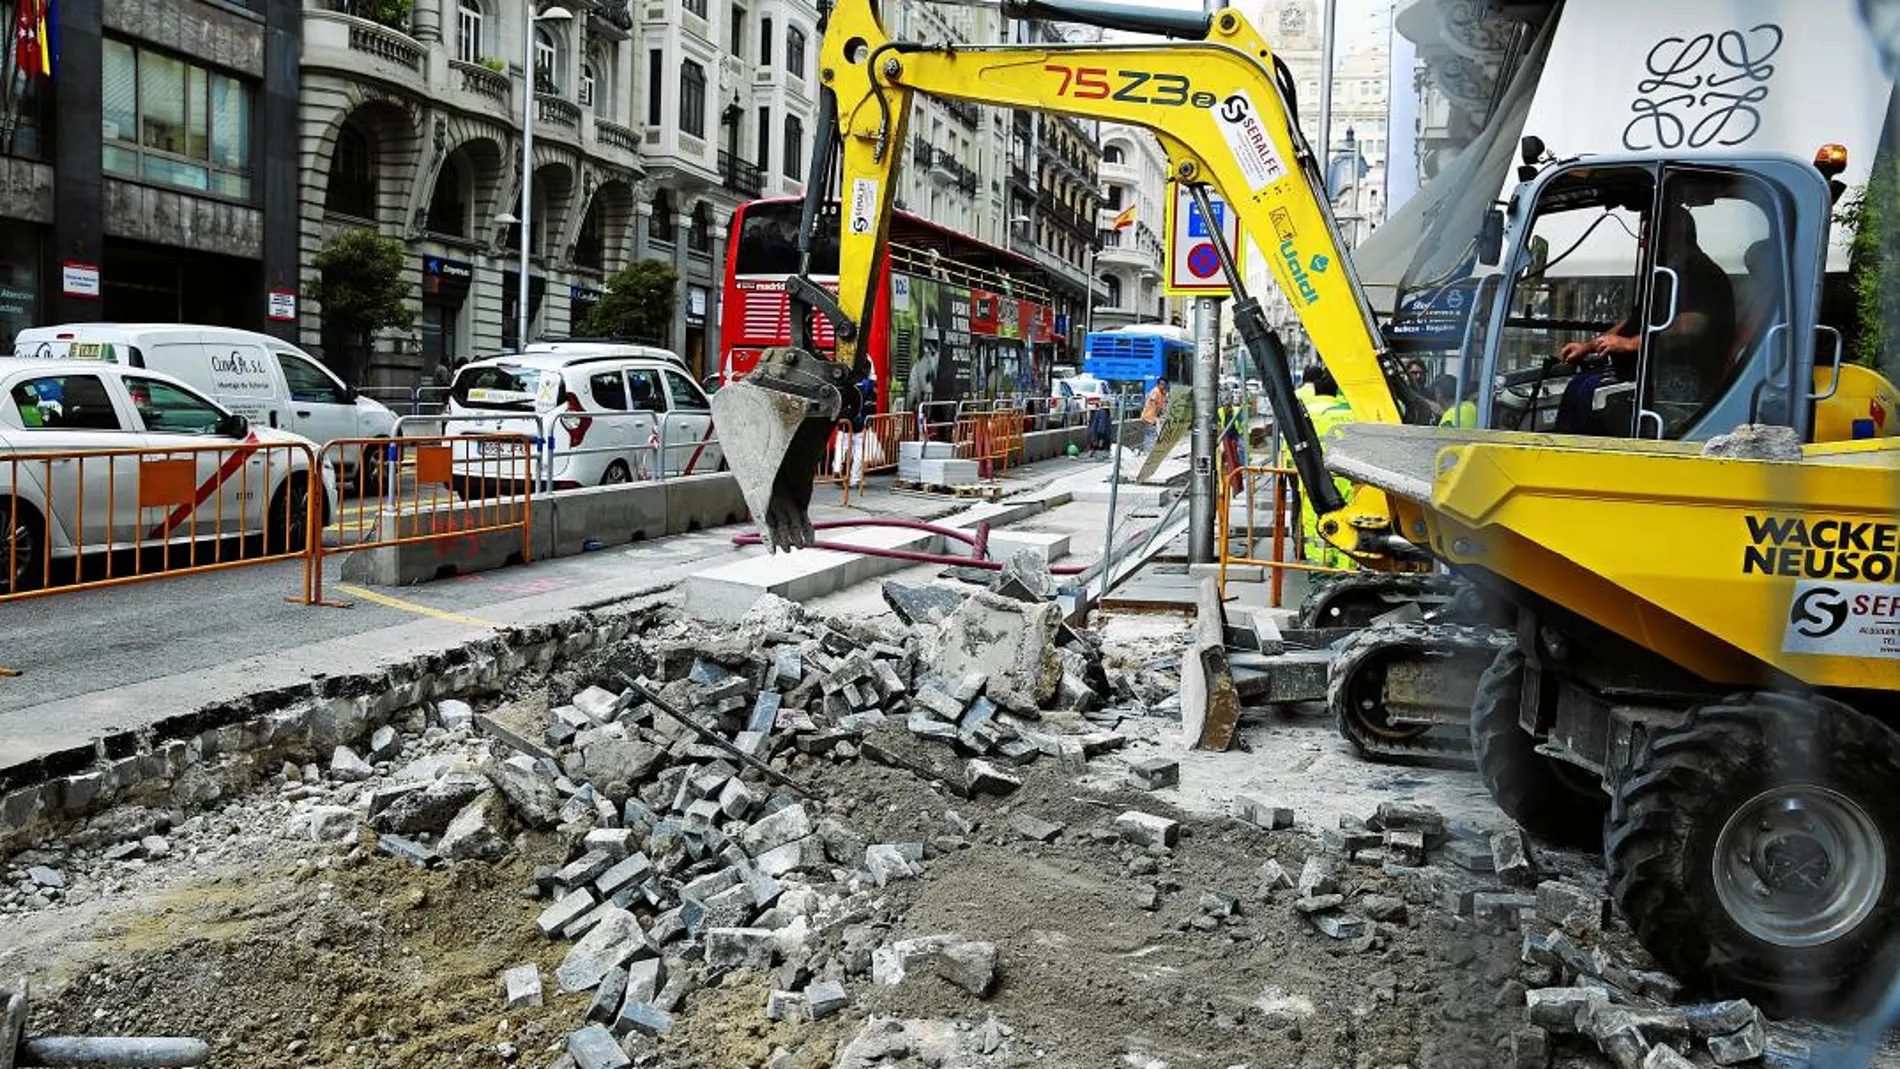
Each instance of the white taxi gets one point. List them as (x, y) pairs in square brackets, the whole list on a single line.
[(57, 506), (605, 412)]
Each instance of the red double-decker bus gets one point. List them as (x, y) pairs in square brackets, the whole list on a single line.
[(957, 318)]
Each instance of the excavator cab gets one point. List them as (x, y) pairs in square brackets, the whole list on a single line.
[(1701, 273)]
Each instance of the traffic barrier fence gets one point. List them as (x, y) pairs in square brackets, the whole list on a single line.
[(443, 494), (90, 518), (1282, 500)]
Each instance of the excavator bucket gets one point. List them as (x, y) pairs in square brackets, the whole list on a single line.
[(773, 425)]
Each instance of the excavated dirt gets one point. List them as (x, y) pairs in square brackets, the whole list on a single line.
[(285, 953)]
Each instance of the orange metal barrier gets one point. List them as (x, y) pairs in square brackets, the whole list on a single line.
[(1284, 499), (89, 518), (443, 488), (990, 439)]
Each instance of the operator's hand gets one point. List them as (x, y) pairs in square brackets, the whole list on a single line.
[(1576, 351)]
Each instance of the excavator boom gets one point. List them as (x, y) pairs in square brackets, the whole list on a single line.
[(1219, 112)]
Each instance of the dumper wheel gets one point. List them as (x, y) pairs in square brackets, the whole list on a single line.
[(1551, 799), (1754, 849)]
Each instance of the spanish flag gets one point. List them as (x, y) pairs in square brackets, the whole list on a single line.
[(1125, 219)]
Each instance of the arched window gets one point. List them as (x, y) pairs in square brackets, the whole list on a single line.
[(448, 205), (1112, 154), (587, 243), (699, 234), (547, 61), (1113, 287), (588, 82), (660, 223), (795, 51), (471, 45), (352, 189)]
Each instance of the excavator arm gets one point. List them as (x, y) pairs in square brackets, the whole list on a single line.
[(1219, 113)]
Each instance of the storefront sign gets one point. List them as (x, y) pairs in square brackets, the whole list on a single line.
[(446, 278), (695, 305), (78, 279), (283, 306)]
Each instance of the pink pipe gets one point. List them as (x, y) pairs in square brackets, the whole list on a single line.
[(979, 543)]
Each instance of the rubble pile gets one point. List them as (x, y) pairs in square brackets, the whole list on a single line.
[(689, 849)]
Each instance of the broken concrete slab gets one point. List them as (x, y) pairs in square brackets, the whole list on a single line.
[(1146, 829), (1260, 812), (825, 998), (1155, 773), (1210, 706), (1012, 642), (593, 1047), (346, 766), (521, 987), (429, 810), (1034, 828), (776, 829), (1573, 908), (731, 948), (479, 831), (609, 944)]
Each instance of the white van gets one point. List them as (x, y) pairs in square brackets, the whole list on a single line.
[(267, 380)]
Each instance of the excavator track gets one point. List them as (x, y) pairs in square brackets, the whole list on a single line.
[(1357, 599), (1402, 692)]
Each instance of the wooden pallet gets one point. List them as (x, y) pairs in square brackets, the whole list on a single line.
[(982, 491)]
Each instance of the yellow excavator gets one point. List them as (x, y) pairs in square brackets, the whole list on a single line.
[(1703, 645)]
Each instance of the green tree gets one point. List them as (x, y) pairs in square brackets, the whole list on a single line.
[(362, 287), (1871, 217), (639, 303)]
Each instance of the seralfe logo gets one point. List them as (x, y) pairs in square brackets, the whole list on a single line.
[(1818, 612)]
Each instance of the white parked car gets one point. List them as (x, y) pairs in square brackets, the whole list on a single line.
[(1080, 392), (607, 408), (66, 508), (267, 380)]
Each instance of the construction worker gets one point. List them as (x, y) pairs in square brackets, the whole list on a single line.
[(1153, 410), (1327, 408), (1233, 440), (1463, 414)]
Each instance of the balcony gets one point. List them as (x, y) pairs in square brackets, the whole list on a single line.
[(740, 176), (921, 153), (964, 112), (341, 40), (946, 168), (614, 135), (481, 81), (556, 112)]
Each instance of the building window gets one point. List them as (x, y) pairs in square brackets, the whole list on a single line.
[(765, 42), (587, 242), (693, 99), (469, 22), (737, 31), (697, 7), (1113, 287), (660, 223), (352, 188), (448, 211), (1112, 154), (656, 71), (586, 96), (699, 231), (794, 147), (1114, 197), (764, 158), (174, 123), (547, 61), (795, 51)]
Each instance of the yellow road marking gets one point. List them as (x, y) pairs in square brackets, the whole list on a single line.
[(410, 606)]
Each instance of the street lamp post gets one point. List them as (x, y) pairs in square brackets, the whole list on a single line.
[(526, 220)]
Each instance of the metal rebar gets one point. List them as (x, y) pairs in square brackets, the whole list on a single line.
[(134, 1052), (714, 738)]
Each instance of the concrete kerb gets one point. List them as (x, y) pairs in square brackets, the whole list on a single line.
[(188, 761), (563, 524)]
